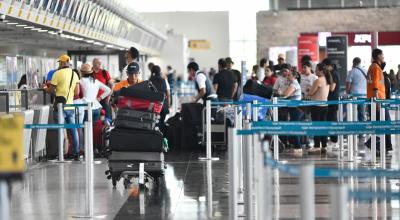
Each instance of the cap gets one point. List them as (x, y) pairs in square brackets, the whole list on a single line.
[(64, 58), (133, 68), (229, 60), (86, 68)]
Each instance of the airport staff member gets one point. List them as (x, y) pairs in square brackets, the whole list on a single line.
[(202, 83), (132, 72), (65, 84)]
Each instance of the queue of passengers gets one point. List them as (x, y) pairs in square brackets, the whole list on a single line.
[(322, 84)]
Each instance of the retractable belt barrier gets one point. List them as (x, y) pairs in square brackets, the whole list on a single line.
[(258, 189)]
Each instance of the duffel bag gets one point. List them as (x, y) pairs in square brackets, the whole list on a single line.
[(140, 104)]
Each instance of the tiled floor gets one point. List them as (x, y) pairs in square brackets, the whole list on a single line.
[(56, 191)]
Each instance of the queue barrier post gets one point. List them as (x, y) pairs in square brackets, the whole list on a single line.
[(339, 198), (248, 111), (355, 138), (60, 111), (307, 192), (397, 148), (341, 141), (89, 112), (208, 134), (373, 136), (238, 140), (4, 201), (275, 117), (382, 138), (248, 174), (233, 174), (350, 152)]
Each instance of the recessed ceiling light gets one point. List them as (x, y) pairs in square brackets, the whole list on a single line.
[(29, 27), (12, 23)]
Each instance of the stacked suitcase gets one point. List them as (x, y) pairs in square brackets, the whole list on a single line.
[(135, 138)]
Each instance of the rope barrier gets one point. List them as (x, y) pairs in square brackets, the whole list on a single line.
[(53, 126), (331, 172), (322, 128)]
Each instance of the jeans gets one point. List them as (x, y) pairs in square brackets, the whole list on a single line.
[(295, 114), (69, 117), (106, 106), (95, 115), (361, 112), (319, 113), (332, 116)]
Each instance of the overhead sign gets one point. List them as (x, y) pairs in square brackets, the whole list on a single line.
[(199, 44), (336, 50), (11, 145), (307, 45)]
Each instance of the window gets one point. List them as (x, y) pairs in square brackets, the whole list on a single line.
[(66, 8)]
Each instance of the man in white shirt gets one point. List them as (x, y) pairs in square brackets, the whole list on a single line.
[(202, 83), (356, 84), (307, 79), (131, 56)]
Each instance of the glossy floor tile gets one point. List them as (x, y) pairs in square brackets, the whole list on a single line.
[(57, 191)]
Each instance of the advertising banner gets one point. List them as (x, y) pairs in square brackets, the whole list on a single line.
[(336, 50), (307, 45)]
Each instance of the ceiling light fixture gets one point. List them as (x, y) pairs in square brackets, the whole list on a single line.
[(29, 27), (21, 25), (12, 23)]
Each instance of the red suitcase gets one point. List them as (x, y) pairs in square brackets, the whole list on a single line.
[(140, 104)]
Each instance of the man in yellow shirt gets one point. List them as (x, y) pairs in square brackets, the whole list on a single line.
[(65, 84), (133, 72)]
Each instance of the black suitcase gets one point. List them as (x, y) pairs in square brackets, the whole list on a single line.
[(136, 140), (173, 131), (136, 156), (192, 114), (127, 118), (140, 93)]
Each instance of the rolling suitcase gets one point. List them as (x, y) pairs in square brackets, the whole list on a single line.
[(143, 97), (136, 140), (127, 118), (136, 156)]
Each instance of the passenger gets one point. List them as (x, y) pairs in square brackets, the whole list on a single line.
[(307, 78), (202, 83), (356, 85), (212, 73), (131, 56), (398, 77), (133, 72), (279, 88), (376, 86), (270, 77), (171, 76), (104, 77), (393, 81), (319, 92), (333, 96), (22, 82), (261, 69), (150, 67), (281, 61), (65, 84), (224, 83), (293, 92), (238, 77), (161, 84), (90, 89)]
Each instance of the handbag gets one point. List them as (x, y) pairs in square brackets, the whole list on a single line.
[(62, 99)]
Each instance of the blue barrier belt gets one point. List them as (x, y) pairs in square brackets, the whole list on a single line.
[(332, 172), (75, 105), (300, 103), (53, 126), (368, 195), (318, 128)]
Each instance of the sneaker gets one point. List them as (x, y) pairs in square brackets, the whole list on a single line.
[(76, 157)]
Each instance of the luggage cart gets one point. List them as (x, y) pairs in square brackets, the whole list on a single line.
[(218, 131)]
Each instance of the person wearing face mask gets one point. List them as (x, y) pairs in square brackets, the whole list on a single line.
[(376, 87)]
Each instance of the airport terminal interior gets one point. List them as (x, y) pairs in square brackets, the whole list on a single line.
[(181, 110)]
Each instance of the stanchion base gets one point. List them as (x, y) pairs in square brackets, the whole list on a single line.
[(90, 217), (206, 159), (57, 161)]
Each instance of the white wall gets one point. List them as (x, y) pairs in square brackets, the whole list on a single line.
[(211, 26)]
